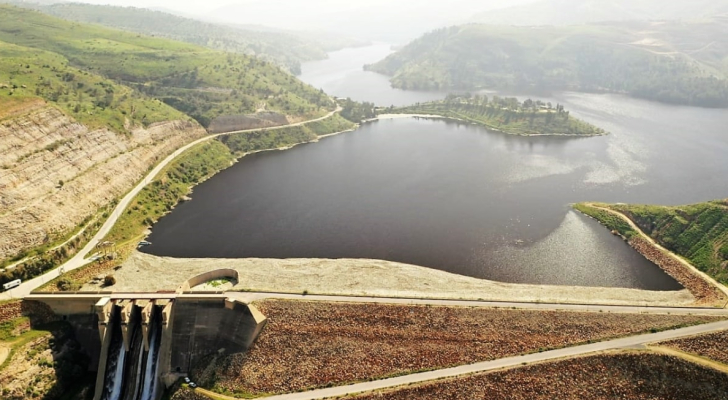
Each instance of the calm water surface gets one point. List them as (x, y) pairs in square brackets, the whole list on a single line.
[(455, 197)]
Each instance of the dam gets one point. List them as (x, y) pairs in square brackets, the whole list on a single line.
[(141, 343)]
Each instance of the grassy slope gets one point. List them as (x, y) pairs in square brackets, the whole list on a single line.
[(697, 232), (180, 74), (513, 120), (284, 49), (589, 58), (96, 102)]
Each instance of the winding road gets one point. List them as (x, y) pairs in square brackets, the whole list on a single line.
[(78, 259)]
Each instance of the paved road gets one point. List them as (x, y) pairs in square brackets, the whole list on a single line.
[(78, 260), (248, 297), (625, 343)]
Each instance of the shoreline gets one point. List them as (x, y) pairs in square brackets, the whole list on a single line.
[(488, 127), (377, 278), (702, 287)]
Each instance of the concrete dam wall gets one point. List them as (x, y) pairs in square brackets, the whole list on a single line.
[(203, 326), (179, 329)]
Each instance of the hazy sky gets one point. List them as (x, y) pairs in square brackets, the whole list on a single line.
[(207, 6), (182, 6), (388, 20)]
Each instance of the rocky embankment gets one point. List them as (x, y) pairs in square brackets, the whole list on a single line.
[(315, 344), (704, 292), (55, 172)]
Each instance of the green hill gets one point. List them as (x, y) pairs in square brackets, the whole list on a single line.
[(507, 115), (683, 63), (203, 83), (697, 232), (286, 50), (27, 74)]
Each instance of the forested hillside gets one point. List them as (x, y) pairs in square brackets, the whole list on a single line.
[(286, 50), (202, 83), (682, 63), (508, 115)]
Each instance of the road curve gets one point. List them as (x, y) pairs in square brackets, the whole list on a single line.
[(624, 343), (78, 259)]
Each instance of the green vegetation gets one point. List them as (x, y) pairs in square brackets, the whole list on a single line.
[(656, 62), (506, 114), (696, 232), (69, 376), (200, 163), (119, 80), (11, 329), (355, 111), (168, 189), (200, 82), (611, 221), (241, 143), (27, 74), (52, 255), (284, 49)]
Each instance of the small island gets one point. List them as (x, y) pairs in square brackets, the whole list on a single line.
[(507, 115)]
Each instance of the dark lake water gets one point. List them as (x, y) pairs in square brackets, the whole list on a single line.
[(457, 197)]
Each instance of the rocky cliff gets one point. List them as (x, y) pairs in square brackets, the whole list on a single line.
[(54, 172)]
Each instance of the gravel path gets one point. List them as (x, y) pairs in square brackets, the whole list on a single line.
[(143, 272)]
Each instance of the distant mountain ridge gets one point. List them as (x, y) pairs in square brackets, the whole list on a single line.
[(379, 20), (675, 62), (286, 49), (575, 12)]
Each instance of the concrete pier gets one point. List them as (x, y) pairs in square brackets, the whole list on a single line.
[(127, 321)]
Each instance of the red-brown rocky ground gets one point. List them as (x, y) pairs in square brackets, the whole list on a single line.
[(314, 344), (639, 376), (713, 346)]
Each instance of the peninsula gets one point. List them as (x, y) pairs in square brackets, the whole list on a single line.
[(507, 115)]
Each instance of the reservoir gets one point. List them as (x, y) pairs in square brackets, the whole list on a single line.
[(456, 197)]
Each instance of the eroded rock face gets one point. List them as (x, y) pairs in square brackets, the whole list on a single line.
[(54, 172)]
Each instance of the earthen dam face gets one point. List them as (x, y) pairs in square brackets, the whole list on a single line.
[(140, 343)]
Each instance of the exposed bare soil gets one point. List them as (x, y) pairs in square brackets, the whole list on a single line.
[(50, 366), (143, 272), (633, 376), (313, 344), (55, 172), (713, 346)]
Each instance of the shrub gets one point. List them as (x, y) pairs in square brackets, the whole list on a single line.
[(64, 285), (109, 280)]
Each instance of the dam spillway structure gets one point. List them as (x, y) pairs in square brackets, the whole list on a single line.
[(131, 348), (142, 343)]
